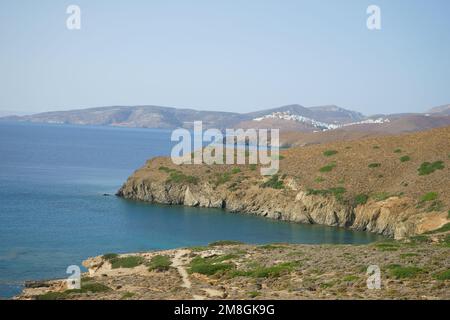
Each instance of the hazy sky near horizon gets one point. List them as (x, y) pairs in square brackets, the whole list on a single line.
[(225, 55)]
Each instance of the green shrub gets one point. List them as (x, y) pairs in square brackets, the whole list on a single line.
[(126, 262), (328, 167), (427, 168), (267, 272), (179, 177), (127, 295), (400, 272), (272, 246), (235, 170), (208, 266), (443, 275), (273, 183), (398, 151), (329, 153), (166, 169), (253, 167), (420, 239), (337, 192), (376, 147), (374, 165), (159, 263), (430, 196), (110, 256), (319, 179), (350, 278), (405, 158), (253, 294), (361, 199), (93, 287)]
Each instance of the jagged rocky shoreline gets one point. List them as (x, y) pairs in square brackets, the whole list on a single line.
[(394, 217)]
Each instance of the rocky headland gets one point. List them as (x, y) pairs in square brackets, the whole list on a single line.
[(396, 186)]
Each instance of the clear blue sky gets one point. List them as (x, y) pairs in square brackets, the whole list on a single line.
[(225, 54)]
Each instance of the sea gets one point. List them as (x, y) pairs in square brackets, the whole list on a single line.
[(57, 204)]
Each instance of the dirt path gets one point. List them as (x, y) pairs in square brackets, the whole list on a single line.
[(179, 263)]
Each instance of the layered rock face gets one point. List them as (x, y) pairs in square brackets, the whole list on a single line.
[(394, 217)]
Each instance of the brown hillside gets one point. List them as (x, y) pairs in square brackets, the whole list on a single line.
[(368, 184)]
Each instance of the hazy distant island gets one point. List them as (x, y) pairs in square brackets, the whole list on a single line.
[(288, 118)]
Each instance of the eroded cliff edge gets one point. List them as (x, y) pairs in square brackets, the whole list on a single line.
[(396, 186), (394, 217)]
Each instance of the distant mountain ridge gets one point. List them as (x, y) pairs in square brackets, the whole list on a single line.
[(293, 117), (169, 117)]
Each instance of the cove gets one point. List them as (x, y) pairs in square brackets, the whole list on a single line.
[(53, 212)]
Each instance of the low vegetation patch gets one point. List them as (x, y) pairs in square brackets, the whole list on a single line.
[(443, 275), (430, 196), (210, 266), (159, 263), (374, 165), (436, 205), (329, 153), (427, 168), (252, 167), (350, 278), (127, 295), (267, 272), (126, 262), (273, 183), (400, 272), (235, 170), (253, 294), (337, 192), (166, 169), (387, 246), (398, 151), (179, 177), (361, 199), (110, 256), (328, 167), (405, 158)]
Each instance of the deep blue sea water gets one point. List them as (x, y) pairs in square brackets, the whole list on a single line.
[(53, 213)]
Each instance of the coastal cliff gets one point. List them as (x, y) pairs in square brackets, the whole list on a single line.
[(394, 217), (396, 186)]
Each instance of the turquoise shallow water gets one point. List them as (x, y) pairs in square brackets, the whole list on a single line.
[(53, 213)]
